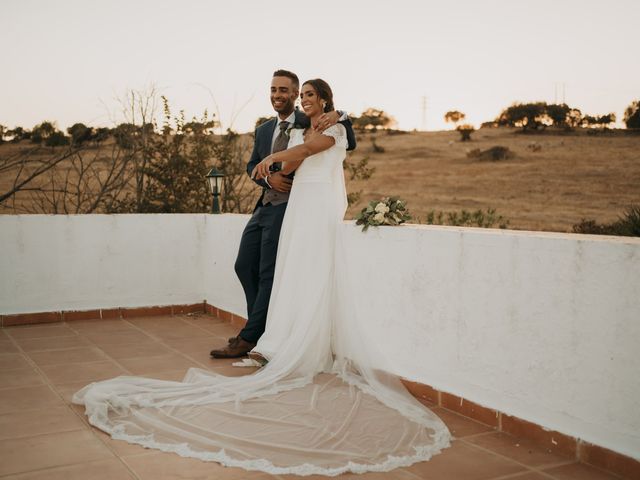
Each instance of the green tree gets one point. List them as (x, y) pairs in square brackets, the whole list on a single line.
[(465, 132), (601, 121), (574, 118), (126, 135), (196, 127), (172, 176), (373, 119), (100, 134), (80, 133), (454, 116), (56, 139), (528, 116), (42, 131), (632, 115), (18, 133), (558, 114)]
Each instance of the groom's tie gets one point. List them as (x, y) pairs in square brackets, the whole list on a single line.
[(282, 140)]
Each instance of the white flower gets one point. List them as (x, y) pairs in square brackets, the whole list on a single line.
[(382, 208), (379, 217)]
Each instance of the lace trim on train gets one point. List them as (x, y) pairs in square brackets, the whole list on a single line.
[(423, 453)]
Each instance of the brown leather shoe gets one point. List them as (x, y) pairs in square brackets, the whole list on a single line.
[(237, 347)]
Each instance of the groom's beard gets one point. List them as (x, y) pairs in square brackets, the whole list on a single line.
[(285, 109)]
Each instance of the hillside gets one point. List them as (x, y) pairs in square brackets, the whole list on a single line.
[(568, 178)]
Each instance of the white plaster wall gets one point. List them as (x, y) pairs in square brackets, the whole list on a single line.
[(222, 286), (542, 326), (538, 325), (82, 262)]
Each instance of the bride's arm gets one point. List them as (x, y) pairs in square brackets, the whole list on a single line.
[(294, 156)]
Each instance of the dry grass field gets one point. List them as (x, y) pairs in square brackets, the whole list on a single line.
[(571, 177)]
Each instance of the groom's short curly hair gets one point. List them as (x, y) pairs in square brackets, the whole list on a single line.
[(288, 74)]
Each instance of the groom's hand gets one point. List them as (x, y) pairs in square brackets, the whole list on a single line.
[(279, 182), (327, 120)]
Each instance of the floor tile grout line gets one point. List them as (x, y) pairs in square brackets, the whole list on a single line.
[(54, 349), (2, 389), (55, 466), (543, 470), (40, 372), (108, 357), (53, 387), (85, 421), (129, 467), (515, 476), (198, 326), (92, 428), (77, 333), (413, 475), (36, 435), (475, 435), (140, 330), (83, 362), (206, 367), (186, 357), (86, 426), (528, 467)]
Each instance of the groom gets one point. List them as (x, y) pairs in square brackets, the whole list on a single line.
[(255, 264)]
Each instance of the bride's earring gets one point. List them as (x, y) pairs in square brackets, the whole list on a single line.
[(324, 106)]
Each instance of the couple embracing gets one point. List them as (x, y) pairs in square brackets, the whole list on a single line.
[(313, 145), (321, 403)]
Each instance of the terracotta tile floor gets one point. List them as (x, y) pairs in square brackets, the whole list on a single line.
[(44, 436)]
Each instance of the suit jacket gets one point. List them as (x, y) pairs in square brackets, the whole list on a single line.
[(264, 137)]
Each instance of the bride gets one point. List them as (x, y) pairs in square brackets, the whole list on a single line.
[(320, 405)]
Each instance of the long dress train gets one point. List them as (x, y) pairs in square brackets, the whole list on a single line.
[(320, 406)]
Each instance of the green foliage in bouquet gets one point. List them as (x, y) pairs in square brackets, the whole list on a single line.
[(387, 211)]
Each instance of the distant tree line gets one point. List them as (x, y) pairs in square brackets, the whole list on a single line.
[(371, 119), (527, 116), (537, 116), (139, 166), (135, 167), (540, 115)]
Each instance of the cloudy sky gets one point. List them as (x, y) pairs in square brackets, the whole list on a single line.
[(69, 60)]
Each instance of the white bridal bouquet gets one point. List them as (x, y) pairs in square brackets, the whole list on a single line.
[(387, 211)]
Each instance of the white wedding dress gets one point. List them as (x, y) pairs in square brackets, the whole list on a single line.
[(319, 406)]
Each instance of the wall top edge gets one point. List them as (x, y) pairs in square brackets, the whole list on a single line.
[(351, 223)]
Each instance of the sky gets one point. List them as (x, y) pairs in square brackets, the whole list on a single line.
[(70, 61)]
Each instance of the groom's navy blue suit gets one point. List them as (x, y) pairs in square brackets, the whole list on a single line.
[(256, 260)]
